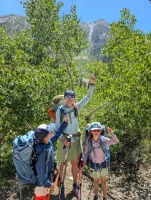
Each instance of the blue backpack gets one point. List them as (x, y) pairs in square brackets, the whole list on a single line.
[(106, 150), (24, 157)]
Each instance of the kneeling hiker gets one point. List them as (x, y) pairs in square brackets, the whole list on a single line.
[(96, 155), (45, 156)]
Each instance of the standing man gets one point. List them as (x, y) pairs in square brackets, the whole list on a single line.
[(73, 110)]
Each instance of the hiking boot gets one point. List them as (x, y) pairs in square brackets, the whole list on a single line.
[(104, 198), (96, 198), (62, 195), (74, 188)]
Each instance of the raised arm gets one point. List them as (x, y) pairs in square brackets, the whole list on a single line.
[(114, 139), (87, 98)]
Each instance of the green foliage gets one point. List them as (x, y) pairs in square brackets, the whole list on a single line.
[(25, 98), (51, 31), (145, 147), (62, 38), (16, 50), (34, 66), (124, 86)]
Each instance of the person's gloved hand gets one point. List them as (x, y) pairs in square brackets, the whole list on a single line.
[(48, 183)]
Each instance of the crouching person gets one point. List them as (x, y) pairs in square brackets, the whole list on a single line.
[(45, 156)]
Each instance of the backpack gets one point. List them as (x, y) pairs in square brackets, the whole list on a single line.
[(106, 150), (86, 134), (24, 157), (56, 103)]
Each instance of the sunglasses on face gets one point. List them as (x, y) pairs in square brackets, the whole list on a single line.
[(69, 97)]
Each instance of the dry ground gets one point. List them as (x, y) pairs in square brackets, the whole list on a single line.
[(120, 187)]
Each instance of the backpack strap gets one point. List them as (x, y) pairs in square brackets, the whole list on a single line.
[(62, 113), (91, 148), (34, 158), (102, 144), (106, 150)]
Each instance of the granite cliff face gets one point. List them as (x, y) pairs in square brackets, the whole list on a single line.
[(13, 23), (96, 32)]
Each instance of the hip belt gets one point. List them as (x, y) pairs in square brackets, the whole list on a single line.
[(97, 166)]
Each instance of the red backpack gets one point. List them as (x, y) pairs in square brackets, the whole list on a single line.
[(56, 103)]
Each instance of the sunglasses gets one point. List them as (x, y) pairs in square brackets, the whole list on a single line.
[(69, 97)]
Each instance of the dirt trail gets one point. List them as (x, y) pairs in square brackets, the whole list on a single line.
[(120, 187)]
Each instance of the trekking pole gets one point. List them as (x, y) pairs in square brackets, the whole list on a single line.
[(79, 179), (50, 192), (54, 182), (64, 164)]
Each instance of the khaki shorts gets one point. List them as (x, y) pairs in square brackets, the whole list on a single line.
[(73, 152), (100, 173)]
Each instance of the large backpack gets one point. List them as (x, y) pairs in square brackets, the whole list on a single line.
[(24, 157), (56, 103)]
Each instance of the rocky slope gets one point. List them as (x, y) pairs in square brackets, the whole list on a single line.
[(13, 23)]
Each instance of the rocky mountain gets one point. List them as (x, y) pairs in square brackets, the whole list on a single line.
[(13, 23), (96, 32)]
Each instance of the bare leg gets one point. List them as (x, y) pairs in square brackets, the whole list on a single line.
[(96, 186), (104, 186), (62, 170), (74, 170)]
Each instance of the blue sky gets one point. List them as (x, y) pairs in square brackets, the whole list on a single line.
[(91, 10)]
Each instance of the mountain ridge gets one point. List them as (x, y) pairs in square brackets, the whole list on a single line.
[(96, 31)]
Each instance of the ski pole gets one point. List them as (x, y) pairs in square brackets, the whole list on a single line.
[(68, 138)]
